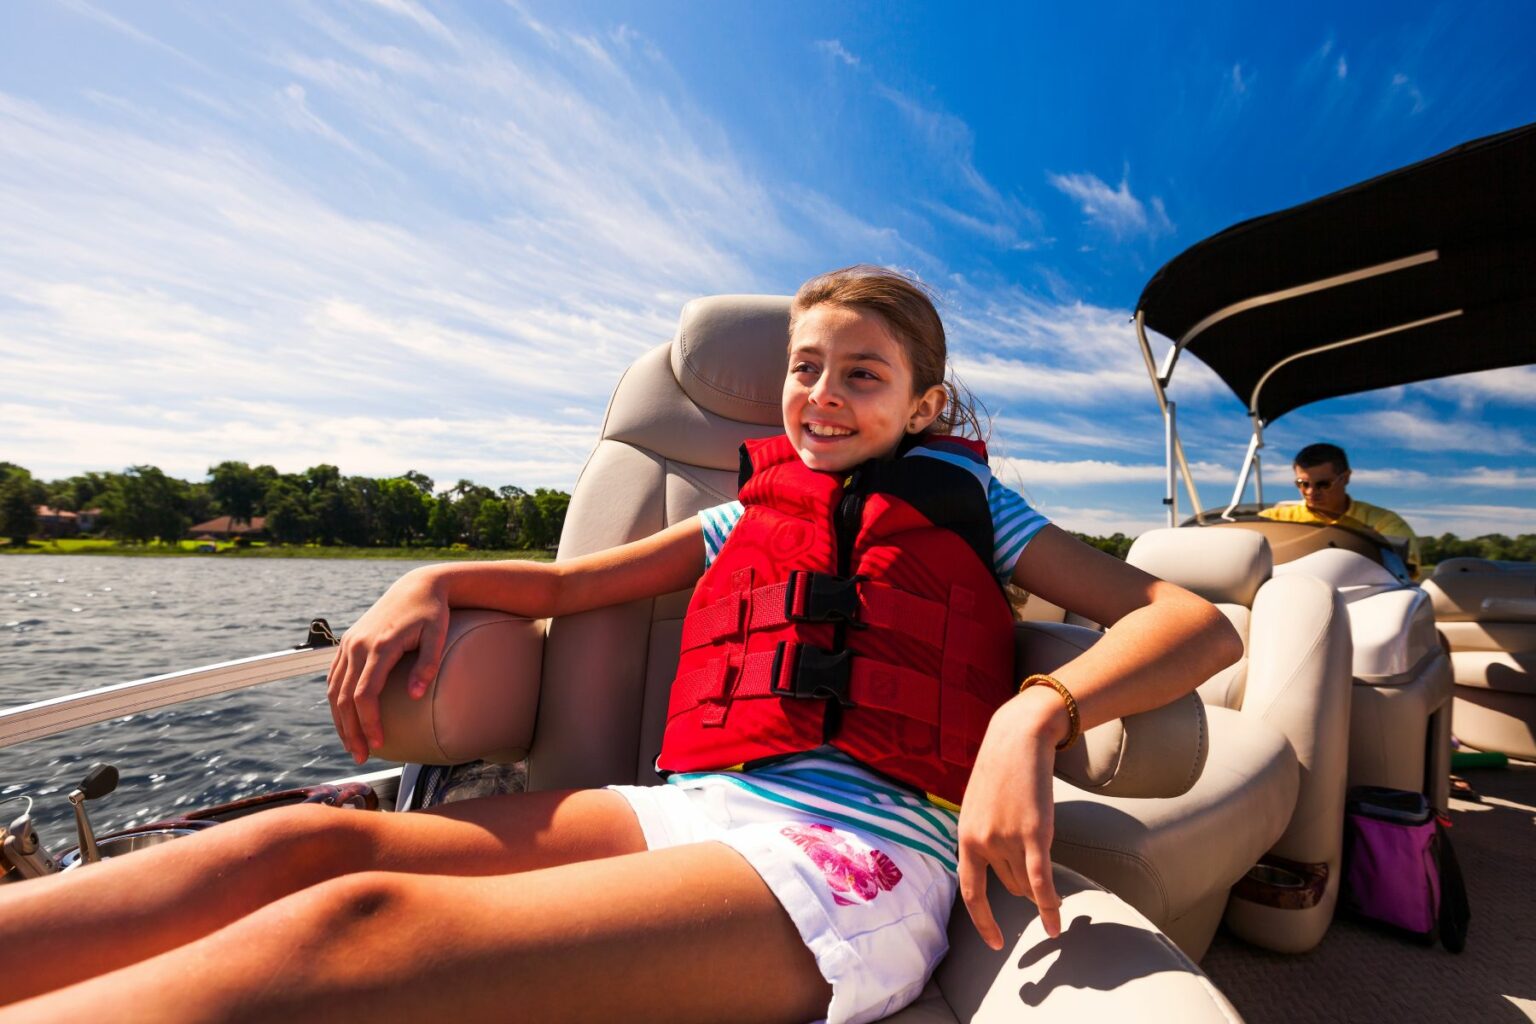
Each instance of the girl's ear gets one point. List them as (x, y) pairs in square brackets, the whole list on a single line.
[(927, 408)]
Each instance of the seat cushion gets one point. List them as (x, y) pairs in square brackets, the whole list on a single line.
[(1163, 856)]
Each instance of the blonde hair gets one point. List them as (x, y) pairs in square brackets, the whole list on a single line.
[(908, 311)]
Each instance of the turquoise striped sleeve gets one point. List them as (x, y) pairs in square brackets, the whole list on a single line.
[(718, 523), (1013, 524)]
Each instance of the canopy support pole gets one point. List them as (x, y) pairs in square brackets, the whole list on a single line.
[(1173, 448), (1250, 465)]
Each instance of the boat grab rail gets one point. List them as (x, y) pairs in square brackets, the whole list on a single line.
[(56, 715)]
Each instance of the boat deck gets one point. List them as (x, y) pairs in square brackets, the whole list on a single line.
[(1359, 973)]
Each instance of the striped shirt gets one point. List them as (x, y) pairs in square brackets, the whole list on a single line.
[(1013, 521), (828, 782)]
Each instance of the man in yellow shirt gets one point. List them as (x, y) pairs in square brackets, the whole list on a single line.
[(1322, 473)]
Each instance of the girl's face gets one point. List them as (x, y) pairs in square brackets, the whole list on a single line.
[(848, 396)]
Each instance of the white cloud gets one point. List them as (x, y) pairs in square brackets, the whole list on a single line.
[(1003, 218), (1418, 429), (1515, 385), (834, 48), (1236, 82), (1470, 520), (1116, 210), (1402, 85), (1341, 69), (1036, 473), (1102, 522), (182, 262)]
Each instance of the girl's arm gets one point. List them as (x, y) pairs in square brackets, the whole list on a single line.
[(1160, 642), (412, 615)]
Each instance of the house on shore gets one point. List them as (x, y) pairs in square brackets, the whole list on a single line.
[(230, 528), (61, 522)]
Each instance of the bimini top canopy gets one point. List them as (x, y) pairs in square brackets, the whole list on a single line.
[(1424, 272)]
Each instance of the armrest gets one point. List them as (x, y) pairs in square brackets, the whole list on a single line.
[(482, 703), (1508, 609), (1158, 753)]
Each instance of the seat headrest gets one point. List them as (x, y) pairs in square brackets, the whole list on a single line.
[(1220, 565), (731, 353)]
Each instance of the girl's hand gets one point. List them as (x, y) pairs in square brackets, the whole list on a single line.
[(411, 616), (1008, 818)]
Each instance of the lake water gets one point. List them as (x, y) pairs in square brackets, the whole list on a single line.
[(70, 623)]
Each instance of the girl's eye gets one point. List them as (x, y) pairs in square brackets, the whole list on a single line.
[(798, 368), (863, 374)]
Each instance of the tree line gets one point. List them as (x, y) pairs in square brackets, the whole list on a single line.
[(318, 506), (1435, 550)]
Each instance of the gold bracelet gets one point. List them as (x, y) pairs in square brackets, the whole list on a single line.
[(1075, 727)]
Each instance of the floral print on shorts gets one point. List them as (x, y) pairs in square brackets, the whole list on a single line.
[(853, 875)]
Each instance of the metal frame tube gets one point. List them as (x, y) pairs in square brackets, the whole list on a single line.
[(1173, 447)]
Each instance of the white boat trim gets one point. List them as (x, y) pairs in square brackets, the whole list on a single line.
[(60, 714)]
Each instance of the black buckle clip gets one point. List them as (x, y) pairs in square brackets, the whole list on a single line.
[(822, 597), (812, 673)]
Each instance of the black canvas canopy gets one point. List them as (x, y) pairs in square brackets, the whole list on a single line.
[(1423, 272)]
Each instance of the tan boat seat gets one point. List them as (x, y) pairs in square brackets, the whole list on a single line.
[(592, 714), (1486, 613), (1273, 783)]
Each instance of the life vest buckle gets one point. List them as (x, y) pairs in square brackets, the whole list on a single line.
[(810, 673), (822, 597)]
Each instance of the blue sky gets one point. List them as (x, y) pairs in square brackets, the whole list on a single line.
[(394, 235)]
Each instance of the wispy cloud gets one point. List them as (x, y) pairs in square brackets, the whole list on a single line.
[(1404, 87), (1417, 428), (834, 48), (1116, 210), (1003, 218)]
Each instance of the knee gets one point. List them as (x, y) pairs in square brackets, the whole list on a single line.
[(344, 906), (306, 834)]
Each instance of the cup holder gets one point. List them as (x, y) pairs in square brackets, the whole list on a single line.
[(1283, 884), (1280, 878), (128, 842)]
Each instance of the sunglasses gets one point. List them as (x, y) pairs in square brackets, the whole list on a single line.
[(1315, 485)]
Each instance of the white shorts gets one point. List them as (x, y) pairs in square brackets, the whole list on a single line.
[(873, 913)]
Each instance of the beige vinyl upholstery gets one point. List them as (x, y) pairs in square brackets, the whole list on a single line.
[(1273, 782), (668, 448), (1486, 614)]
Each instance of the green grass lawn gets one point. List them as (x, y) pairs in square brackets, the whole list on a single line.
[(224, 549)]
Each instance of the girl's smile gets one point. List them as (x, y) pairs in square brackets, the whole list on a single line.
[(848, 395)]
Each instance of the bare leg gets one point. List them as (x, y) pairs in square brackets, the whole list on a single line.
[(59, 930), (688, 933)]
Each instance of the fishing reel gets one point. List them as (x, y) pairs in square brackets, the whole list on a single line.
[(22, 852)]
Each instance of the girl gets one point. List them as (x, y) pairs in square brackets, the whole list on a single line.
[(815, 880)]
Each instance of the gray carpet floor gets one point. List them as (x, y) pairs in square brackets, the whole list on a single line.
[(1361, 974)]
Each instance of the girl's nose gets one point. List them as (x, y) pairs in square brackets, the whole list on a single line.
[(824, 391)]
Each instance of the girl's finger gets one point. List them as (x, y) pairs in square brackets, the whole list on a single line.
[(365, 696), (338, 684), (973, 890), (429, 657), (1042, 883)]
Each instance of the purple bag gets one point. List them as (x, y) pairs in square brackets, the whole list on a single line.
[(1399, 868)]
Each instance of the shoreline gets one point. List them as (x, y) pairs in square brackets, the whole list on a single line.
[(423, 554)]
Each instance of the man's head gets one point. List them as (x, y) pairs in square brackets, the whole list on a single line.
[(1322, 472)]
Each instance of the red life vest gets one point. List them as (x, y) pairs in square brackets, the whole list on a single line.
[(858, 610)]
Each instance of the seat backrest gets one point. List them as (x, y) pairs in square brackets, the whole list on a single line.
[(1227, 568), (1295, 672), (668, 448)]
